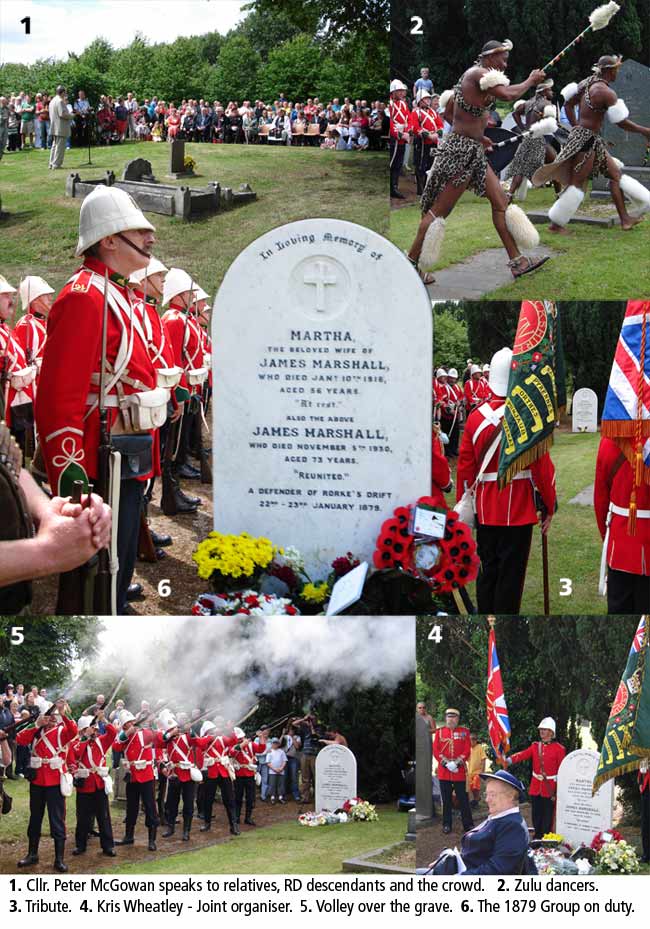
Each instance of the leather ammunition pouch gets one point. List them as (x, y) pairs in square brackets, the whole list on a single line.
[(137, 455)]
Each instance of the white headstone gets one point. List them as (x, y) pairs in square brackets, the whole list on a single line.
[(584, 410), (336, 777), (579, 816), (322, 360)]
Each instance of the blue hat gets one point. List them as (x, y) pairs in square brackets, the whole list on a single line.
[(509, 779)]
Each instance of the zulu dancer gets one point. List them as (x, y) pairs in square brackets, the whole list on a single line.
[(182, 775), (115, 239), (138, 746), (460, 163), (243, 754), (585, 155), (219, 772), (399, 133), (532, 153), (426, 126), (87, 760), (48, 737)]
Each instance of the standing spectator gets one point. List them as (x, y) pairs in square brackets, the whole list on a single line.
[(60, 119), (27, 124), (83, 112), (424, 82), (291, 745), (310, 733), (121, 118), (475, 767), (43, 138), (263, 769), (277, 762), (131, 105), (4, 125)]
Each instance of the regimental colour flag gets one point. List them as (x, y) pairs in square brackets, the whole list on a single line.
[(626, 414), (498, 719), (627, 734), (532, 402)]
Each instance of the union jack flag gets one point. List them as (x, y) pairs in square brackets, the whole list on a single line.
[(498, 719), (622, 408), (638, 637)]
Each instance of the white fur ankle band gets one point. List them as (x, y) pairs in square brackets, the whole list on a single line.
[(566, 206)]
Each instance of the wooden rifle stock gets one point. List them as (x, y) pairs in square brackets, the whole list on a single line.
[(74, 596)]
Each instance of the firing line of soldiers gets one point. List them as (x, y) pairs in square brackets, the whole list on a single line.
[(114, 393)]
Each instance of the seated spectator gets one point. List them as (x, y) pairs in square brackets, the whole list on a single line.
[(173, 122)]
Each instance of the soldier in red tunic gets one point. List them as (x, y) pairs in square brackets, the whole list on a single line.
[(243, 754), (400, 117), (49, 738), (219, 772), (31, 328), (87, 760), (426, 125), (182, 774), (505, 518), (547, 756), (139, 747), (476, 391), (451, 749), (16, 375), (115, 239)]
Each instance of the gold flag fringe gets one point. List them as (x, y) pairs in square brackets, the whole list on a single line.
[(527, 458), (614, 772)]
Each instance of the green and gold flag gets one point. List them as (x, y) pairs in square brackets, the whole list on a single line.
[(532, 405), (627, 734)]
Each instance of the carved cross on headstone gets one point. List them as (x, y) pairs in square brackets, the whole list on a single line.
[(321, 276)]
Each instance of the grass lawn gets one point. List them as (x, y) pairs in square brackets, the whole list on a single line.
[(592, 263), (574, 542), (40, 233), (287, 848)]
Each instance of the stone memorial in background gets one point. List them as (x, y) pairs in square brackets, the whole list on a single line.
[(322, 364), (584, 410), (336, 777), (138, 169), (633, 86), (579, 816), (177, 159), (423, 771)]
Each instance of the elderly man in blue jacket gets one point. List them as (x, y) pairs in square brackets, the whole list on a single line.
[(500, 845)]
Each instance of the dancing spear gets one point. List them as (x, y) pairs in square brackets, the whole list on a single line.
[(598, 19)]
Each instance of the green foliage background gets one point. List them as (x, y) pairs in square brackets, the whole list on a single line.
[(318, 48)]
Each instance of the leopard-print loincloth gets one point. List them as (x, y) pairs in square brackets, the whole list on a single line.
[(459, 160), (580, 141), (530, 155)]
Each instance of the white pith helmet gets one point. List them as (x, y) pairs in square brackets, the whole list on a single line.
[(423, 94), (396, 84), (84, 722), (105, 211), (441, 372), (31, 288), (486, 368), (177, 282), (153, 267), (239, 732), (167, 719), (5, 286), (208, 726), (125, 716), (500, 371), (452, 372), (475, 369), (548, 723)]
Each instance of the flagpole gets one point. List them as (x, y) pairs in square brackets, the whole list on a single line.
[(465, 687)]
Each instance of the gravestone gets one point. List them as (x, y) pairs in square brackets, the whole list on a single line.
[(177, 158), (584, 410), (579, 816), (423, 785), (322, 366), (633, 86), (138, 169), (336, 777)]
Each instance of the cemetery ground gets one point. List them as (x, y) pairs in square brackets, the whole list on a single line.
[(431, 840), (277, 845), (40, 224), (574, 543), (592, 262)]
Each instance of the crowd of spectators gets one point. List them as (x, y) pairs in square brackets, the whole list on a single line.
[(340, 124), (16, 706)]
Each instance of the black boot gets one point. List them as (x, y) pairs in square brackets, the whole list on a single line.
[(234, 828), (32, 855), (59, 863), (128, 836), (249, 821), (169, 831), (206, 826), (173, 500), (152, 838), (78, 851), (187, 825)]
